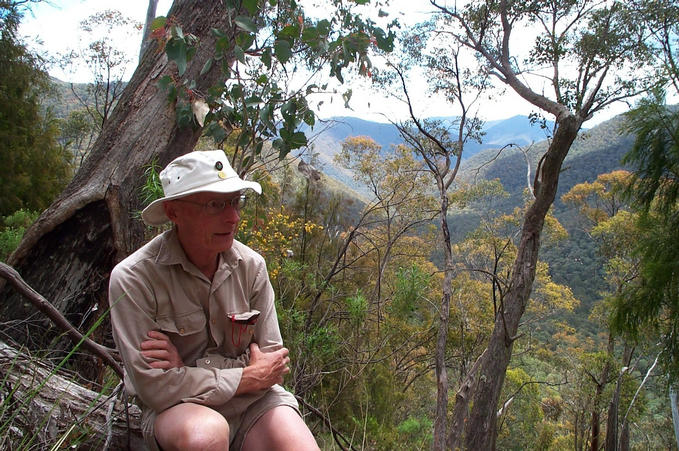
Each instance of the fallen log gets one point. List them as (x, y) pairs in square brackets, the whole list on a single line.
[(42, 407)]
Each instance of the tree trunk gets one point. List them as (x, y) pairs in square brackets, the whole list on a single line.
[(614, 407), (45, 413), (600, 384), (441, 419), (68, 253), (674, 403), (624, 438), (461, 409), (150, 15), (480, 433)]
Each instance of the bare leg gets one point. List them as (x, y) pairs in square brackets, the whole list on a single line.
[(190, 426), (280, 429)]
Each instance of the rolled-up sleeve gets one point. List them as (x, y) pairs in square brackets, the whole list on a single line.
[(267, 333)]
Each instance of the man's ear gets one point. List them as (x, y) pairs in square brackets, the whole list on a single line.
[(170, 210)]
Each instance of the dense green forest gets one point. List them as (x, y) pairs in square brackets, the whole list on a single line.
[(358, 271)]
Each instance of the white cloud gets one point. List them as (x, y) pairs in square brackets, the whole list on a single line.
[(51, 28)]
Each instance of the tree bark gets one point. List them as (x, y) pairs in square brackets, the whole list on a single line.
[(42, 304), (612, 421), (461, 409), (68, 253), (600, 384), (480, 432), (45, 413), (674, 404), (442, 336)]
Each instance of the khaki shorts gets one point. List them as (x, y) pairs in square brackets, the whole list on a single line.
[(239, 425)]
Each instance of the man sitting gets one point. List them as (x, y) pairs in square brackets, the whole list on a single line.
[(194, 319)]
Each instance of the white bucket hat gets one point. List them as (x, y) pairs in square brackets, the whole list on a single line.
[(195, 172)]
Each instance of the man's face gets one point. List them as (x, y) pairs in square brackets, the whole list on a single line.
[(201, 230)]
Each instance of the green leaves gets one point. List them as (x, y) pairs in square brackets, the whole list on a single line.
[(176, 51), (158, 22), (179, 47), (251, 6), (282, 50), (245, 23)]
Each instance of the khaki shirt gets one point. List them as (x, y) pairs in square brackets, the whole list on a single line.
[(158, 288)]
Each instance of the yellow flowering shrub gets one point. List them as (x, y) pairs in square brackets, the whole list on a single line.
[(275, 237)]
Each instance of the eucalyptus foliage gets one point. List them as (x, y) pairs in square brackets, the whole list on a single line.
[(257, 95)]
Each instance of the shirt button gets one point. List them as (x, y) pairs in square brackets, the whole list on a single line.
[(181, 330), (213, 321), (207, 361)]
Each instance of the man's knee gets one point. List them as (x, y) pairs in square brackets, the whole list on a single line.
[(192, 428), (283, 429), (204, 434)]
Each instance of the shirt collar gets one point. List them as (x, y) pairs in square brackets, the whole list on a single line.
[(171, 251)]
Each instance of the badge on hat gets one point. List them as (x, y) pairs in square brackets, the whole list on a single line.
[(219, 166)]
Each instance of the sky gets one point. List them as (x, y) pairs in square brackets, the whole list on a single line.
[(53, 27)]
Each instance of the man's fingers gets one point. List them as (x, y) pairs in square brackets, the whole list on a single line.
[(154, 344), (160, 352), (156, 354), (157, 335), (161, 364)]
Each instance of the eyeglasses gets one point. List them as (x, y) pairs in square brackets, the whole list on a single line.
[(215, 207)]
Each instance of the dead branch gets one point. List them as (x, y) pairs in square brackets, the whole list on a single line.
[(42, 304)]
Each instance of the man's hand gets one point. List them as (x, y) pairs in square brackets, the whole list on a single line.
[(265, 370), (160, 351)]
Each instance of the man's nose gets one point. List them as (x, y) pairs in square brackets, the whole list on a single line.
[(230, 214)]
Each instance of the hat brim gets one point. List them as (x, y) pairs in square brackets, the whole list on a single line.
[(154, 213)]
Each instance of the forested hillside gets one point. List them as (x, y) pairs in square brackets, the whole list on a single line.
[(573, 261), (68, 97)]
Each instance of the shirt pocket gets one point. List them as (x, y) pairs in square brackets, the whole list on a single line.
[(239, 331), (187, 332)]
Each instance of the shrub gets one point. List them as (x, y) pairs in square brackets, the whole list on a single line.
[(13, 230)]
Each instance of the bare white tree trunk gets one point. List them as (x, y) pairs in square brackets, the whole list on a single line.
[(150, 15), (675, 412)]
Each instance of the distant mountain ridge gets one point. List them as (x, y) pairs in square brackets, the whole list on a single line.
[(595, 151), (327, 137)]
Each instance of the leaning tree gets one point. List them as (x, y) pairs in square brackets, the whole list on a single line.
[(584, 55)]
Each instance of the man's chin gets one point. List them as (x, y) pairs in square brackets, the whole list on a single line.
[(223, 241)]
